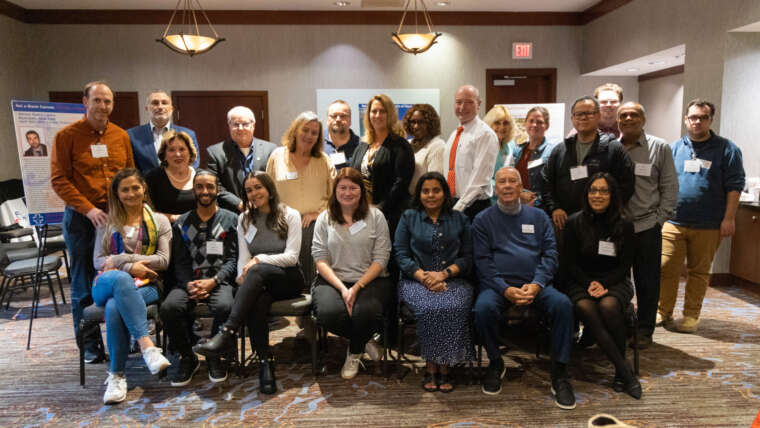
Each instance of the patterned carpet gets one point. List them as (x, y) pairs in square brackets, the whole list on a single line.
[(706, 379)]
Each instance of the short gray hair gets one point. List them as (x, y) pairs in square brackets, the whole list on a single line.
[(241, 111)]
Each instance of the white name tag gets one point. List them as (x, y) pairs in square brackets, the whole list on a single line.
[(706, 164), (356, 227), (534, 163), (692, 165), (99, 150), (130, 231), (215, 248), (291, 175), (251, 233), (528, 228), (643, 169), (607, 248), (579, 172), (338, 158)]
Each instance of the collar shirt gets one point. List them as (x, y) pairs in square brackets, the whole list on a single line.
[(656, 189), (475, 159), (158, 134), (347, 149)]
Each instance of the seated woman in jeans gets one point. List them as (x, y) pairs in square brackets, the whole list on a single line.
[(351, 249), (269, 241), (598, 255), (433, 247), (130, 249)]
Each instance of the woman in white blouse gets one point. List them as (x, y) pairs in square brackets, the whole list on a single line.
[(269, 240)]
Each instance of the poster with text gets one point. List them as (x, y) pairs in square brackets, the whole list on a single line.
[(556, 131), (36, 123)]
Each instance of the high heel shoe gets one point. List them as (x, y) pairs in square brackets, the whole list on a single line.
[(222, 343), (267, 380), (633, 388)]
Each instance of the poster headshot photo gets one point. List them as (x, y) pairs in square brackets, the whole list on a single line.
[(33, 142)]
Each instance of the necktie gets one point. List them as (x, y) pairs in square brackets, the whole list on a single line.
[(452, 178)]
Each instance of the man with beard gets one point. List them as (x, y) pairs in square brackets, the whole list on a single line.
[(609, 95), (340, 141), (35, 147), (203, 269)]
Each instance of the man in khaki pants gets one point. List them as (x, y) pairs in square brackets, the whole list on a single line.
[(710, 179)]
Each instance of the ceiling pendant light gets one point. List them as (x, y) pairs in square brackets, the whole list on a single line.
[(189, 42), (416, 42)]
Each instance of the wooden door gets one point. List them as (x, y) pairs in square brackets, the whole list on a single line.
[(126, 106), (205, 112), (520, 86), (745, 255)]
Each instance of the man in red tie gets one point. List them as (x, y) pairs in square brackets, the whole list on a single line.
[(470, 155)]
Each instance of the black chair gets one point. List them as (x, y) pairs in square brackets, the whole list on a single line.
[(93, 316), (632, 325), (18, 265), (236, 360)]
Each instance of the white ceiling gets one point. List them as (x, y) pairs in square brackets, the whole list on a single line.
[(657, 61), (454, 5)]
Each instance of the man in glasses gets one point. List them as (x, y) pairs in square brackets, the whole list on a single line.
[(340, 141), (710, 179), (235, 157), (609, 95)]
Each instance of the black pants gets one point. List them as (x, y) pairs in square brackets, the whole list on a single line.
[(177, 315), (368, 314), (646, 276), (476, 207), (264, 284)]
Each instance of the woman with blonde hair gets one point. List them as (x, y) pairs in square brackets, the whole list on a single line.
[(303, 176), (502, 123)]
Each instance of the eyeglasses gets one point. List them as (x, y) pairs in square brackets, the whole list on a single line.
[(584, 114), (417, 122), (598, 190), (694, 118), (336, 116), (244, 125)]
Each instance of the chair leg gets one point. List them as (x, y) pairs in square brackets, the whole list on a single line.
[(66, 263), (52, 293), (3, 288), (11, 291), (60, 286), (314, 346)]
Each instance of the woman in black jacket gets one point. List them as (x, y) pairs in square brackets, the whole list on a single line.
[(385, 159), (598, 253)]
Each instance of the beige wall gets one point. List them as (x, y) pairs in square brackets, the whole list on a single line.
[(663, 99), (291, 63)]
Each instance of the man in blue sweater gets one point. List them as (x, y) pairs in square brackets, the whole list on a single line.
[(710, 179), (516, 258)]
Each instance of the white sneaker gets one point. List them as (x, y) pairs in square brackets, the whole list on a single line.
[(116, 391), (373, 350), (155, 360), (351, 366)]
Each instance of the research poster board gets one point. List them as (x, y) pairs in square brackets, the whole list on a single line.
[(36, 123), (556, 131), (357, 99)]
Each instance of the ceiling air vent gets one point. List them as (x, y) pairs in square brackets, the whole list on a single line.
[(383, 3)]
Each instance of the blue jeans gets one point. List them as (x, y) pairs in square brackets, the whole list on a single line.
[(125, 312), (79, 234), (552, 303)]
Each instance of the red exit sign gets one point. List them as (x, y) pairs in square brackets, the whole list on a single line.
[(522, 50)]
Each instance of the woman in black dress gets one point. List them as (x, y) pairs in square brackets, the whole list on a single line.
[(171, 184), (598, 254)]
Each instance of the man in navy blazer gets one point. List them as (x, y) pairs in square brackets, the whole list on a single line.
[(233, 158), (146, 139)]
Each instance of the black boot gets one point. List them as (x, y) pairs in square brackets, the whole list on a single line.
[(267, 381), (222, 343)]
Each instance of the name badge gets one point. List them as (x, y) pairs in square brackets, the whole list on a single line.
[(215, 248), (607, 248), (579, 172), (338, 158), (356, 227), (692, 165), (291, 175), (99, 150), (528, 228), (643, 169), (706, 164), (130, 231), (251, 233), (534, 163)]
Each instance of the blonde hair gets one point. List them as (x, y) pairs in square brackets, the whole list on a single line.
[(501, 113), (289, 137), (172, 135), (391, 118)]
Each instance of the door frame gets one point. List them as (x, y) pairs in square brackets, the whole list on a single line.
[(491, 73)]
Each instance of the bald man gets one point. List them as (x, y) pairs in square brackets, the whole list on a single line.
[(652, 204), (235, 157), (470, 155)]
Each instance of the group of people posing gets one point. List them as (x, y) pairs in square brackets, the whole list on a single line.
[(456, 230)]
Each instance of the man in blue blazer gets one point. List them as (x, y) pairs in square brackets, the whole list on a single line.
[(240, 154), (146, 139)]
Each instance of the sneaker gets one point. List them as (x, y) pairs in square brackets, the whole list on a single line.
[(217, 370), (687, 324), (664, 321), (373, 350), (116, 391), (93, 353), (155, 360), (564, 397), (351, 366), (188, 366), (493, 377)]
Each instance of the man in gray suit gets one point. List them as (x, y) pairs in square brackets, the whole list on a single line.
[(235, 157)]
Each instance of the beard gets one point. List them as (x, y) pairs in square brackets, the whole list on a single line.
[(211, 202)]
